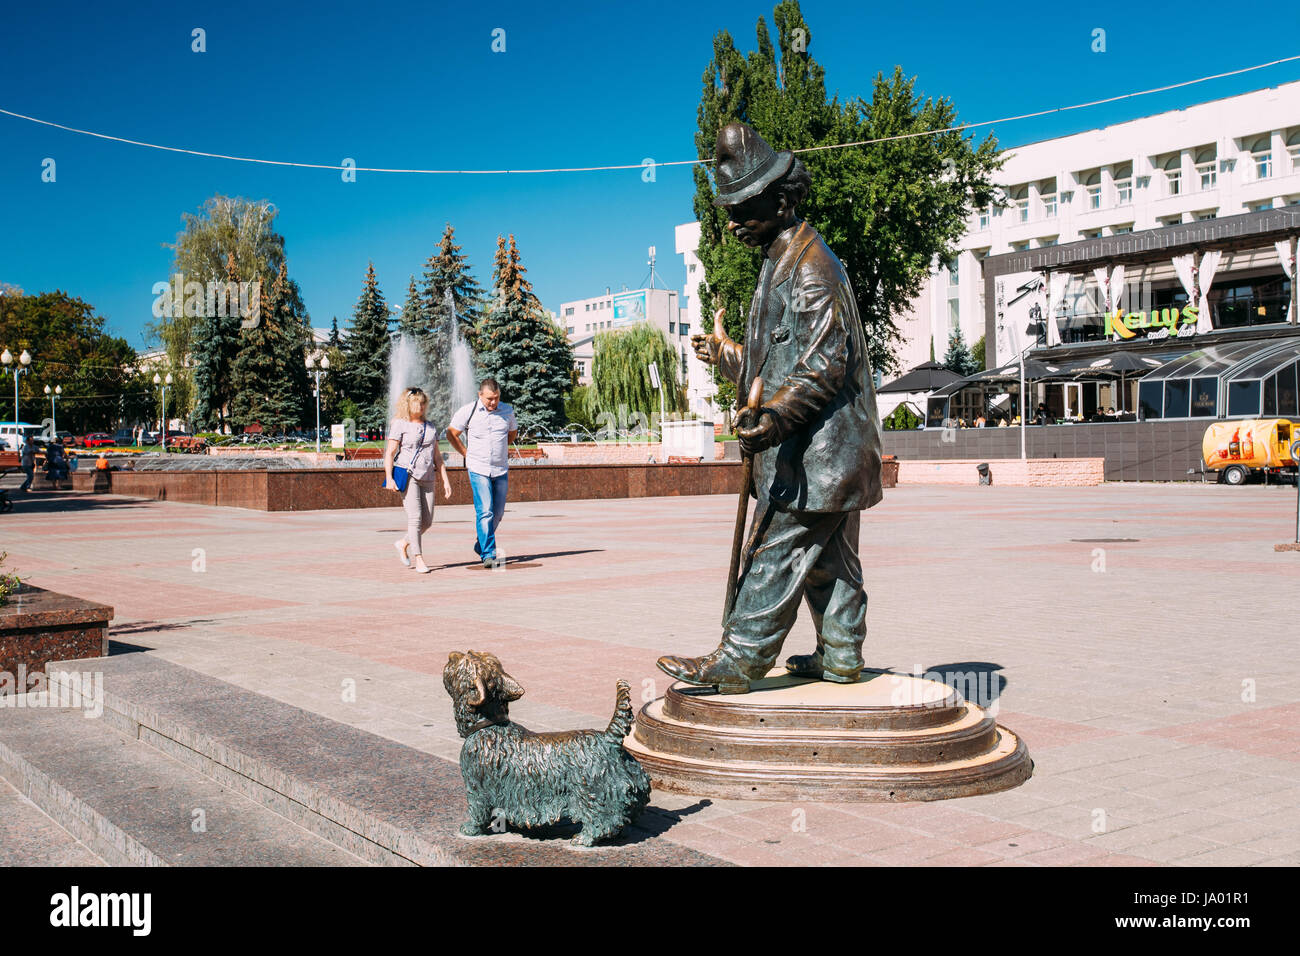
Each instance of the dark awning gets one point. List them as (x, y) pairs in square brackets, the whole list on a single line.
[(925, 377)]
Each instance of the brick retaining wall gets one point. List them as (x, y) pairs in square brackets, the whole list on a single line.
[(310, 489), (1005, 471)]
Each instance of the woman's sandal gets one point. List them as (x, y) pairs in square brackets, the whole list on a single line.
[(401, 547)]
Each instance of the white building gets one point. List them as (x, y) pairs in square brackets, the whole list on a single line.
[(1240, 154), (700, 387), (582, 319)]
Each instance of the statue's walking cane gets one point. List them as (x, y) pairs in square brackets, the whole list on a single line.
[(742, 506)]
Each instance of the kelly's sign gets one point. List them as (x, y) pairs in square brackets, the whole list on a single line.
[(1158, 324)]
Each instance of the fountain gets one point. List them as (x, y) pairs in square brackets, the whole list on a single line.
[(463, 385), (406, 369)]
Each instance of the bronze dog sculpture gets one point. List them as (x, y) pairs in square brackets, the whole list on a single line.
[(528, 779)]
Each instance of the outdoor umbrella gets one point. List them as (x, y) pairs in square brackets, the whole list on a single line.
[(1116, 365), (925, 377)]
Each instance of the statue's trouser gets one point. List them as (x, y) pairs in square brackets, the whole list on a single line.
[(809, 556)]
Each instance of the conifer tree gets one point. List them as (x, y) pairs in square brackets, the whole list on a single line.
[(268, 376), (523, 348), (365, 355), (959, 358), (445, 271)]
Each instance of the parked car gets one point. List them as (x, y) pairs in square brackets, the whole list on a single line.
[(97, 440), (124, 436), (66, 439)]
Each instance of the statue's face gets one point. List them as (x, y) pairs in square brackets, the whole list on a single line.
[(758, 221)]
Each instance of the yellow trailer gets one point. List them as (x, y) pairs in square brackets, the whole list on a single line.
[(1239, 449)]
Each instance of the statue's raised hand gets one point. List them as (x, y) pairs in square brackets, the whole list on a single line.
[(708, 348)]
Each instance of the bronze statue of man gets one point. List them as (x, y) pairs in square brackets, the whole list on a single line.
[(815, 439)]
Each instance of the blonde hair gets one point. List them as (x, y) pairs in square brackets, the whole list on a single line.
[(409, 399)]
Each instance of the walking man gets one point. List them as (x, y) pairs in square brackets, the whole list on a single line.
[(815, 440), (488, 428)]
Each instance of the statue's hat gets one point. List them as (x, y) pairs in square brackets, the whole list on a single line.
[(745, 165)]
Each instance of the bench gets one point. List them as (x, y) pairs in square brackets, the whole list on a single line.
[(684, 460)]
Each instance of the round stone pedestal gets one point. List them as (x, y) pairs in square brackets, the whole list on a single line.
[(887, 737)]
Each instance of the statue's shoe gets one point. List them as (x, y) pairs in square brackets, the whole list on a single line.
[(810, 665), (716, 668)]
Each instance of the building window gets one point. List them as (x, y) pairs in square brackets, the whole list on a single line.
[(1092, 186), (683, 329), (1171, 221), (1121, 230), (1124, 185), (691, 270), (1207, 168), (1174, 175), (587, 307), (1092, 234), (672, 327), (1044, 243), (1293, 150), (1019, 246), (1206, 216), (953, 278), (1262, 206), (954, 314), (1047, 193), (1261, 157), (570, 330), (1021, 199), (984, 218)]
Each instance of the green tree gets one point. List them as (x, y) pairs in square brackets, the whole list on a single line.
[(977, 354), (269, 373), (958, 358), (620, 377), (227, 230), (102, 384), (446, 271), (523, 349), (364, 375), (887, 208)]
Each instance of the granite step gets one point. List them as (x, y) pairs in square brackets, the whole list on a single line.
[(132, 805), (30, 837), (380, 800)]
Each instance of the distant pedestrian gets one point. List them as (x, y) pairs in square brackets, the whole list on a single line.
[(488, 427), (27, 461), (411, 459)]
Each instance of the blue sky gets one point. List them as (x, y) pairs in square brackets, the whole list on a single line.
[(417, 85)]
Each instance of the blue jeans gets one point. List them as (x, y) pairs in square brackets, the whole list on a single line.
[(489, 506)]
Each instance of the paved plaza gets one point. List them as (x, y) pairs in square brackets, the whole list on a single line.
[(1139, 638)]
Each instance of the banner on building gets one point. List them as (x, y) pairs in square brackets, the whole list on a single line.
[(629, 307), (1021, 303)]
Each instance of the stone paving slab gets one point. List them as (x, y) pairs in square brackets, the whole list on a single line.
[(1133, 635)]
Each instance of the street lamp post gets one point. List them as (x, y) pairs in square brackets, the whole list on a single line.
[(55, 394), (20, 368), (163, 383), (316, 373)]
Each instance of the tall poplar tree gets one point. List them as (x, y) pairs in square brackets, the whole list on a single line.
[(227, 230), (523, 348), (887, 209), (365, 356)]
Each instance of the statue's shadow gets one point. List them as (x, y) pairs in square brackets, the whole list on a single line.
[(978, 681), (653, 822)]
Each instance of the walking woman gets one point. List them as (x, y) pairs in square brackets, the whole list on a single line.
[(410, 460)]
